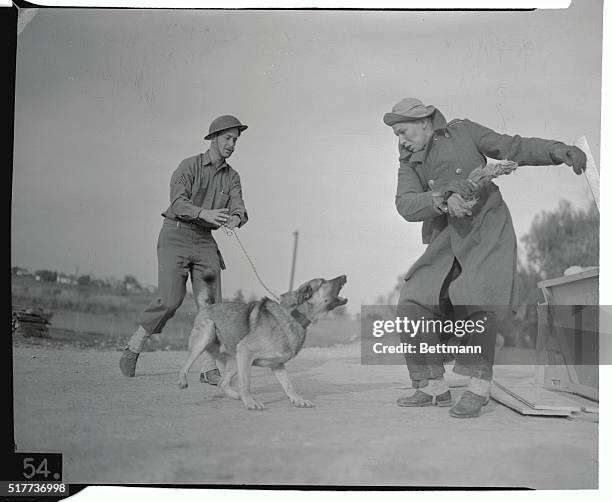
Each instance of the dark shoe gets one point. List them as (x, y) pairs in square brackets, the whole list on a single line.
[(127, 363), (420, 398), (469, 405), (213, 377)]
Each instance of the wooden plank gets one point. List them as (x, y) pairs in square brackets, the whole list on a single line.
[(558, 373), (584, 390), (587, 273), (591, 173), (538, 398), (507, 400)]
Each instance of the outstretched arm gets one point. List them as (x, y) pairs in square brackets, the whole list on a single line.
[(525, 151)]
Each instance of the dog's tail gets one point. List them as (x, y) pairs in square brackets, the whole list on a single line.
[(207, 295)]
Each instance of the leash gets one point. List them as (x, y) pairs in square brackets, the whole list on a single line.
[(231, 232)]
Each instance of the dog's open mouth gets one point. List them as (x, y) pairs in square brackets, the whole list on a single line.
[(338, 301)]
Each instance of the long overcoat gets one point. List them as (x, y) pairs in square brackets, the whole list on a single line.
[(485, 243)]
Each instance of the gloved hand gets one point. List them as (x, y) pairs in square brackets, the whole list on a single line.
[(570, 155), (458, 207), (464, 188)]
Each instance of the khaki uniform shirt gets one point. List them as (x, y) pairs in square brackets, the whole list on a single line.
[(197, 185)]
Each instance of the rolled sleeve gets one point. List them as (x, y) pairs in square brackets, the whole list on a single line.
[(236, 203), (181, 184), (411, 201), (523, 151)]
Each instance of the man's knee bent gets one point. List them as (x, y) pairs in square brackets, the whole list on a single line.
[(164, 307), (170, 305)]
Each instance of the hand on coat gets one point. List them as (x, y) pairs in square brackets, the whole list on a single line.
[(458, 207), (570, 155)]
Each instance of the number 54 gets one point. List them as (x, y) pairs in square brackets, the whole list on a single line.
[(29, 470)]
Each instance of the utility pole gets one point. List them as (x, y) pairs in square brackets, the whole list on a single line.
[(295, 244)]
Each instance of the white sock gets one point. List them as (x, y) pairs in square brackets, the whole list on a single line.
[(435, 386), (138, 340), (479, 386)]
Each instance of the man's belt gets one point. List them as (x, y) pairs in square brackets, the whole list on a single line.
[(185, 224)]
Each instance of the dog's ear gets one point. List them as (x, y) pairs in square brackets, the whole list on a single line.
[(304, 293)]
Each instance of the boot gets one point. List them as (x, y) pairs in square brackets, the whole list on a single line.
[(127, 363), (420, 399), (129, 358), (473, 399), (468, 406), (435, 393)]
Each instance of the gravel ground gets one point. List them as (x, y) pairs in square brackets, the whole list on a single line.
[(116, 430)]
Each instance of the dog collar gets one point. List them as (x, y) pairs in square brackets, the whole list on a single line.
[(300, 318)]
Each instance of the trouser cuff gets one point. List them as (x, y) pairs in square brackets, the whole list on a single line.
[(425, 372), (482, 372), (480, 386)]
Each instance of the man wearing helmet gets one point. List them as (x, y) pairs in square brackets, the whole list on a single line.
[(205, 194)]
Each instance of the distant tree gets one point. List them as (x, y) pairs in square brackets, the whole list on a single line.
[(47, 275), (238, 296), (559, 239), (555, 241), (521, 329), (130, 282), (380, 300), (84, 280)]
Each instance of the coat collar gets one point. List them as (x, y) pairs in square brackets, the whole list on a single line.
[(439, 125)]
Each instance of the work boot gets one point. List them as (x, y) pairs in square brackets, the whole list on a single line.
[(127, 363), (420, 398), (469, 405), (212, 377)]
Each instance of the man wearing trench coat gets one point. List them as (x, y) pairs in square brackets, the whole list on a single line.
[(468, 270)]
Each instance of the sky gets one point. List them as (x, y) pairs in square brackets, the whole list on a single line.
[(109, 102)]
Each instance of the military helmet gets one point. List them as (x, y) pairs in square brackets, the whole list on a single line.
[(223, 123)]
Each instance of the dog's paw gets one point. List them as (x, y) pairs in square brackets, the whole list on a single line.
[(253, 404), (302, 403)]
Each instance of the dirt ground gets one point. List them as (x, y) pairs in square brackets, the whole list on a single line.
[(116, 430)]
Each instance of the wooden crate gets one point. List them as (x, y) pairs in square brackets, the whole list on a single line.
[(568, 334)]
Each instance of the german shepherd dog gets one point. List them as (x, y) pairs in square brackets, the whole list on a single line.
[(261, 333)]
